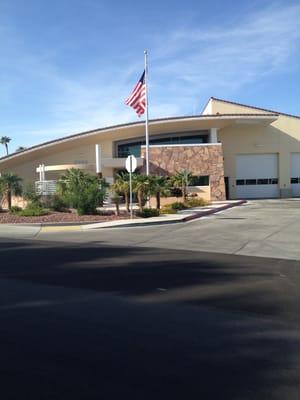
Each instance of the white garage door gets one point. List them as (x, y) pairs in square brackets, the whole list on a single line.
[(257, 176), (295, 173)]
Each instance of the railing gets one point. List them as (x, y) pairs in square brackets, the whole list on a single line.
[(45, 188)]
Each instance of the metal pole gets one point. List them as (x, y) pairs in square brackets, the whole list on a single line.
[(147, 114), (130, 188), (98, 160)]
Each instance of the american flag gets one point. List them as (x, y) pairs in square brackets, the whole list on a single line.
[(137, 99)]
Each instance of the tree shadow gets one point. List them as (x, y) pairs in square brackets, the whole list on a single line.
[(161, 324)]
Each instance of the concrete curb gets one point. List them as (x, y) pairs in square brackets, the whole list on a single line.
[(85, 226), (213, 211), (134, 225), (191, 217), (45, 224)]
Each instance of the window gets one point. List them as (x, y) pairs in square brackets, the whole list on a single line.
[(199, 180), (260, 181), (134, 147), (264, 181), (250, 181), (125, 150), (295, 180)]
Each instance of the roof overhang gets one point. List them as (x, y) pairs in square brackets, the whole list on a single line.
[(119, 132)]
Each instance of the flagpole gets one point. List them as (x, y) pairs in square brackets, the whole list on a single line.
[(147, 115)]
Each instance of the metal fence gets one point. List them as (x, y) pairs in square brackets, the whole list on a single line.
[(45, 188)]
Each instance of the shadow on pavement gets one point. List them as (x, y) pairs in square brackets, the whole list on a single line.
[(141, 323)]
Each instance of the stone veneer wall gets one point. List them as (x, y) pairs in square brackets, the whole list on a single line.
[(15, 201), (200, 160)]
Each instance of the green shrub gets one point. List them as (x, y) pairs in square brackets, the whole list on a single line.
[(196, 202), (56, 203), (82, 191), (87, 201), (30, 194), (172, 208), (33, 210), (148, 212), (178, 205), (15, 209), (167, 209)]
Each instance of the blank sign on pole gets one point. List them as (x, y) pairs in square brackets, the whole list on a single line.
[(131, 163)]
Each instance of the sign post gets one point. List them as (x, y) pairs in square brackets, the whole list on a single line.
[(130, 165), (98, 160)]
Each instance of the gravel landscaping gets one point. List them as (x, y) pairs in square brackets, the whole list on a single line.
[(58, 217)]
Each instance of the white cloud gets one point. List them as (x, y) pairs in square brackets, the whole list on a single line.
[(232, 56)]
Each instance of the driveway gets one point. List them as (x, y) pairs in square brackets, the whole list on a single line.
[(265, 228)]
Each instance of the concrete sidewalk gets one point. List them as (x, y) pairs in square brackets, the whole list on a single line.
[(181, 216)]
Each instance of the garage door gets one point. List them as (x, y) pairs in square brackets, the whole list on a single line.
[(257, 176), (295, 173)]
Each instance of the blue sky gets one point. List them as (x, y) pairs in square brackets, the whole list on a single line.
[(68, 65)]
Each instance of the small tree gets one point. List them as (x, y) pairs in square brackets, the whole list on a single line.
[(82, 191), (122, 186), (116, 199), (159, 185), (5, 140), (182, 180), (10, 184), (141, 186)]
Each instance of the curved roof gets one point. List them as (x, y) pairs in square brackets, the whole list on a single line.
[(217, 118)]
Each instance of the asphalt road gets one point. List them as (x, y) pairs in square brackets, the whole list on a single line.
[(84, 317)]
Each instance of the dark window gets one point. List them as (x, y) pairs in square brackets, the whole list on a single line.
[(295, 180), (263, 181), (125, 150), (134, 148), (176, 192), (199, 180), (250, 182), (193, 139)]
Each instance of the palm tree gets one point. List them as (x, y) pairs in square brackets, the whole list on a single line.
[(5, 140), (10, 184), (116, 199), (182, 180), (122, 186), (159, 185), (141, 186), (72, 181)]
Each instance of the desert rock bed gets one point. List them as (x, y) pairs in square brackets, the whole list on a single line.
[(57, 217)]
